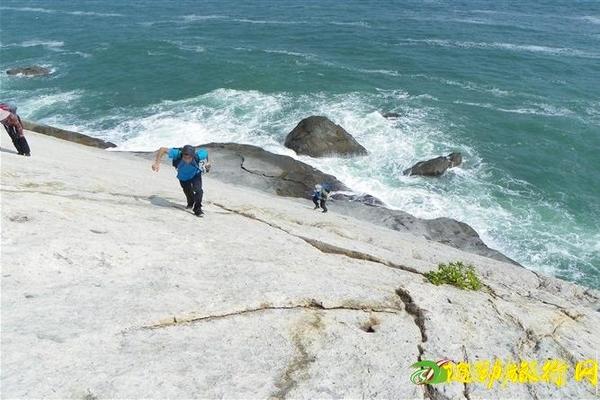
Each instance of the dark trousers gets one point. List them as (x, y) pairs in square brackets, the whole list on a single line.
[(320, 203), (193, 192), (19, 141)]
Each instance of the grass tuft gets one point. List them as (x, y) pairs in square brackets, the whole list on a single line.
[(456, 274)]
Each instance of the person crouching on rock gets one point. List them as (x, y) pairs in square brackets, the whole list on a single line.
[(320, 195), (191, 163), (14, 127)]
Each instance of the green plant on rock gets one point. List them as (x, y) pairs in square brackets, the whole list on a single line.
[(456, 274)]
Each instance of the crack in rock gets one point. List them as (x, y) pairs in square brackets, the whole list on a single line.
[(282, 176), (415, 311), (332, 249), (310, 305), (325, 247), (418, 315), (466, 392)]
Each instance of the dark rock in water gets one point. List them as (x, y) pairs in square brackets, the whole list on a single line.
[(34, 70), (436, 166), (390, 115), (318, 137), (67, 135)]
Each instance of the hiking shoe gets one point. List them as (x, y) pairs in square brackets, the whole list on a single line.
[(324, 211), (316, 208), (199, 213), (189, 206)]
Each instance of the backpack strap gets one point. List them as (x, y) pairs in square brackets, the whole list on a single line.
[(177, 159)]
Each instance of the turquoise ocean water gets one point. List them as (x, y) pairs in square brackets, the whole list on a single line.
[(514, 85)]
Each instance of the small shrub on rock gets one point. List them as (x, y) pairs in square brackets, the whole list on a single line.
[(456, 274)]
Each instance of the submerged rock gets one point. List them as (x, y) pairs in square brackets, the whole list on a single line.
[(390, 115), (436, 166), (318, 137), (34, 70)]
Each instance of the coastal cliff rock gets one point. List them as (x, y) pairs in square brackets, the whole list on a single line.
[(111, 289), (257, 168), (254, 167), (319, 137), (436, 166), (67, 135), (34, 70)]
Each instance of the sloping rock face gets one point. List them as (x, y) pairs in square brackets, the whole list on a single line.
[(111, 289), (34, 70), (256, 168), (319, 137), (436, 166)]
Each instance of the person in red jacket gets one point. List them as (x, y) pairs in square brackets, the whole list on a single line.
[(14, 127)]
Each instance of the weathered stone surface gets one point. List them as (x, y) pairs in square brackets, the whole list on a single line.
[(67, 135), (319, 137), (436, 166), (263, 298), (34, 70)]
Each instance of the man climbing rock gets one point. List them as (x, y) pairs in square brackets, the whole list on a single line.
[(320, 196), (12, 124), (191, 163)]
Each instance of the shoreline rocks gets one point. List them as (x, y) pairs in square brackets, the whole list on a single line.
[(318, 136), (34, 70), (254, 167), (67, 135)]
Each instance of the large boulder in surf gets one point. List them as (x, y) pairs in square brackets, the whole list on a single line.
[(317, 136), (34, 70), (436, 166)]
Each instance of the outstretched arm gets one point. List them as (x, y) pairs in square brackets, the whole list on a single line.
[(159, 155)]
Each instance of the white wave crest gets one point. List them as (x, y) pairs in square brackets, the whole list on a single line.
[(591, 19), (195, 18), (361, 24), (53, 45), (186, 46), (554, 51), (534, 109), (50, 11), (40, 103)]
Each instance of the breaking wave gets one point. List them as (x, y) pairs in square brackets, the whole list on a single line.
[(50, 11), (554, 51)]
